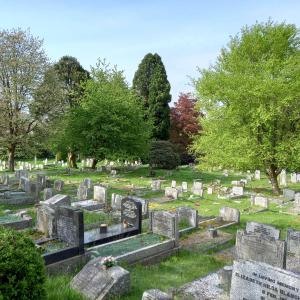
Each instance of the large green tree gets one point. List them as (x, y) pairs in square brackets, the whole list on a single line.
[(251, 101), (109, 121), (22, 66), (151, 84)]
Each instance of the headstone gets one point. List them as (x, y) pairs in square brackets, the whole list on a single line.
[(293, 178), (45, 220), (165, 224), (171, 192), (155, 294), (293, 242), (41, 179), (87, 182), (282, 178), (58, 200), (252, 280), (289, 194), (189, 214), (210, 190), (131, 213), (257, 175), (69, 226), (97, 284), (238, 191), (270, 231), (297, 200), (260, 201), (82, 192), (100, 194), (260, 247), (58, 185), (184, 187), (145, 205), (116, 201), (173, 184), (155, 185), (48, 193), (229, 214), (197, 188)]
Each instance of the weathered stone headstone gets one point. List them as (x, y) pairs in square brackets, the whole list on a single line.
[(41, 179), (97, 284), (155, 294), (100, 193), (155, 185), (254, 227), (58, 200), (88, 183), (58, 185), (131, 213), (210, 190), (189, 214), (197, 188), (48, 193), (260, 247), (282, 178), (257, 175), (82, 192), (173, 184), (45, 220), (171, 192), (293, 178), (164, 223), (289, 194), (260, 201), (145, 205), (184, 187), (293, 242), (116, 201), (229, 214), (252, 280), (238, 191)]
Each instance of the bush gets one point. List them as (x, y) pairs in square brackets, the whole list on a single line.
[(22, 269), (163, 155)]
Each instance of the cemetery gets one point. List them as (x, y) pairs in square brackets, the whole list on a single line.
[(112, 188)]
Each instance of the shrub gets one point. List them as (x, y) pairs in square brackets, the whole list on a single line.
[(22, 270), (163, 155)]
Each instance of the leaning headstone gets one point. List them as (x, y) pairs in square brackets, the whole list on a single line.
[(95, 283), (229, 214), (257, 175), (58, 185), (171, 192), (260, 247), (48, 193), (100, 194), (260, 201), (252, 280), (293, 242), (58, 200), (289, 194), (155, 294), (254, 227)]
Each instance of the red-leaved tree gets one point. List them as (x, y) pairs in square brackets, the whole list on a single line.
[(184, 124)]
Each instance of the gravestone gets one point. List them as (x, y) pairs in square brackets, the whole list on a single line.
[(48, 193), (58, 200), (45, 220), (87, 182), (58, 185), (257, 175), (100, 194), (260, 247), (82, 192), (171, 192), (116, 201), (131, 213), (254, 227), (97, 284), (189, 214), (184, 187), (165, 224), (297, 200), (293, 178), (197, 187), (237, 190), (173, 184), (229, 214), (282, 178), (252, 280), (155, 185), (155, 294), (41, 179), (145, 205), (289, 194), (69, 226), (260, 201), (293, 242)]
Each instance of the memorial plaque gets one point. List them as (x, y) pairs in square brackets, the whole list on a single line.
[(131, 212), (293, 242), (262, 248), (254, 227), (252, 281)]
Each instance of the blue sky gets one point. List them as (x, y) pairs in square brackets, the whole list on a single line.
[(186, 33)]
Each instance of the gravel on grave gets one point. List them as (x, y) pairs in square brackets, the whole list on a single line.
[(127, 245)]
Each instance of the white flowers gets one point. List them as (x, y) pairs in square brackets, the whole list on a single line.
[(108, 261)]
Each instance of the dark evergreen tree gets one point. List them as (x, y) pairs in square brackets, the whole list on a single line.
[(151, 83)]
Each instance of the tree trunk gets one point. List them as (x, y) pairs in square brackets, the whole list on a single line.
[(11, 157), (72, 159), (273, 174), (95, 161)]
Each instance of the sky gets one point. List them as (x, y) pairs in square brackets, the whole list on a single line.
[(187, 34)]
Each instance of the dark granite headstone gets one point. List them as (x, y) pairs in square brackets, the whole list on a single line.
[(131, 213)]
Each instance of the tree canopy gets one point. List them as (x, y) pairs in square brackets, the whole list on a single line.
[(251, 101), (151, 84)]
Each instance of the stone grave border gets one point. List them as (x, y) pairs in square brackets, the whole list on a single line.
[(26, 222)]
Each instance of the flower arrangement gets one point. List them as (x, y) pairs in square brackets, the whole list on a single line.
[(108, 262)]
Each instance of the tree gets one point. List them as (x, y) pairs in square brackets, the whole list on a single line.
[(251, 99), (151, 84), (109, 122), (184, 124), (72, 77), (22, 65)]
